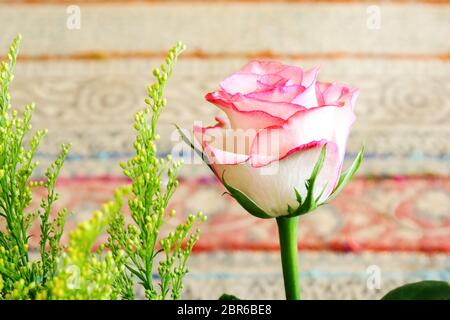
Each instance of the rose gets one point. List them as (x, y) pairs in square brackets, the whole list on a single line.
[(279, 117), (281, 151)]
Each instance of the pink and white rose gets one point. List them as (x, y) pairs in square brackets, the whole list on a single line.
[(278, 116)]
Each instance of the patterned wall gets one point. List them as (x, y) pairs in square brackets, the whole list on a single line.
[(88, 83)]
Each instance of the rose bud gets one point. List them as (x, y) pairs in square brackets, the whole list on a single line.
[(281, 150)]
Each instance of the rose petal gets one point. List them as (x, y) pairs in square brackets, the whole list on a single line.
[(262, 67), (328, 123), (272, 187), (223, 145), (278, 93), (336, 93), (248, 82), (248, 117), (297, 76), (281, 110), (308, 98), (310, 76)]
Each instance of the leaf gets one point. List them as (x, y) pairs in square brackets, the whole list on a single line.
[(245, 201), (423, 290), (347, 175), (227, 296)]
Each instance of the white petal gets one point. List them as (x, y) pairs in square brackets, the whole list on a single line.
[(272, 187)]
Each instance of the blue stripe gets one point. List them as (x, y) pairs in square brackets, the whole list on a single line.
[(104, 155)]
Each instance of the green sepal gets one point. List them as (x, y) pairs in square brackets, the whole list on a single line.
[(346, 176), (309, 203), (191, 144), (422, 290), (246, 203)]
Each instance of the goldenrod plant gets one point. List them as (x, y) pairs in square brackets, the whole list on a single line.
[(143, 243), (83, 269), (86, 272), (20, 277)]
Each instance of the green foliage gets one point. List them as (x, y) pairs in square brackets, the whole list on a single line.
[(227, 296), (153, 183), (21, 277), (422, 290), (85, 273), (79, 270)]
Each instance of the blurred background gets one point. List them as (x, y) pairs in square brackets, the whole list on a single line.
[(86, 65)]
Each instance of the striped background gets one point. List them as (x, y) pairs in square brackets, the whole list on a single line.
[(88, 83)]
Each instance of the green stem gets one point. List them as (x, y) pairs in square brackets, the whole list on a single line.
[(287, 229)]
